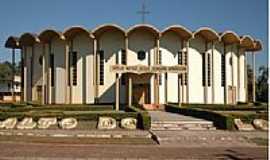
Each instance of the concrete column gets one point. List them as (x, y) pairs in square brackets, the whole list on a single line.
[(13, 75), (129, 91), (67, 89), (117, 92), (245, 78), (95, 70), (166, 88), (179, 90), (43, 75), (22, 75), (213, 73), (238, 73), (206, 74), (225, 78), (25, 74), (157, 75), (187, 77), (126, 48), (232, 73), (254, 78), (183, 75)]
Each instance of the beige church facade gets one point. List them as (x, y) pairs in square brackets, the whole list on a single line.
[(138, 65)]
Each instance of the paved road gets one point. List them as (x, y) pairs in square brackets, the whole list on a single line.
[(37, 151)]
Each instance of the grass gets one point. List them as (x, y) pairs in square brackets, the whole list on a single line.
[(259, 141), (77, 140)]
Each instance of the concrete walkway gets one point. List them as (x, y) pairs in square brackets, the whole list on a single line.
[(167, 116)]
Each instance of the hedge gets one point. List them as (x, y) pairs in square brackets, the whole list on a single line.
[(222, 107), (84, 115), (56, 107), (144, 119), (219, 120)]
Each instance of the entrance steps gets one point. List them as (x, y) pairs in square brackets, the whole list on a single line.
[(162, 121), (181, 125)]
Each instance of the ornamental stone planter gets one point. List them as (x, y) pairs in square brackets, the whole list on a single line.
[(106, 123)]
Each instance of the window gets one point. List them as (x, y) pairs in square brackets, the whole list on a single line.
[(180, 57), (203, 69), (40, 60), (123, 61), (74, 68), (141, 55), (160, 62), (52, 69), (101, 67), (186, 79), (223, 70), (185, 58), (123, 56), (208, 69)]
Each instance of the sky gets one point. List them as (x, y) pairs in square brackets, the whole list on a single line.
[(241, 16)]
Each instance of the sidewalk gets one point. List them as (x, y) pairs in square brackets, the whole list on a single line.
[(216, 138)]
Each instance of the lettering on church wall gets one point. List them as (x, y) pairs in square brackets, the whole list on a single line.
[(140, 69)]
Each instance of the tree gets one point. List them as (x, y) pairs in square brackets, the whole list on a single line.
[(262, 85), (6, 70)]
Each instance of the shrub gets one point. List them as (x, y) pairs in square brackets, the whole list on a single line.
[(144, 119)]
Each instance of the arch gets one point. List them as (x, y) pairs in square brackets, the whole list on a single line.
[(98, 31), (12, 42), (257, 46), (180, 30), (70, 32), (28, 39), (147, 27), (48, 34), (207, 33), (247, 42), (230, 37)]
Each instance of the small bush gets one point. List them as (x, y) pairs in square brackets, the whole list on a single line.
[(144, 119)]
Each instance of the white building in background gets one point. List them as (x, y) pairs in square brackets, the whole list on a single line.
[(6, 89), (141, 64)]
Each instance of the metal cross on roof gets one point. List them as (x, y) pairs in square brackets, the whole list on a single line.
[(143, 12)]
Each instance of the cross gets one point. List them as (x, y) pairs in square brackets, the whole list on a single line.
[(143, 12)]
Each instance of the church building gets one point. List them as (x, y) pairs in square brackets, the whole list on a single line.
[(138, 65)]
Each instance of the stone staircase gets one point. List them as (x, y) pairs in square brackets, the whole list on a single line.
[(162, 121), (181, 125)]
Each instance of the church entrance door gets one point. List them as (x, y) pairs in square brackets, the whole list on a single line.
[(140, 94)]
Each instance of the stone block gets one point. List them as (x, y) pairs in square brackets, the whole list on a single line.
[(9, 123), (45, 123), (68, 123), (129, 123), (106, 123), (260, 124), (26, 123), (242, 126)]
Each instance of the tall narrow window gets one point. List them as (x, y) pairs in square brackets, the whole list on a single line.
[(123, 56), (52, 69), (69, 67), (123, 61), (208, 69), (160, 62), (223, 70), (101, 67), (185, 63), (180, 60), (74, 68), (203, 69)]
